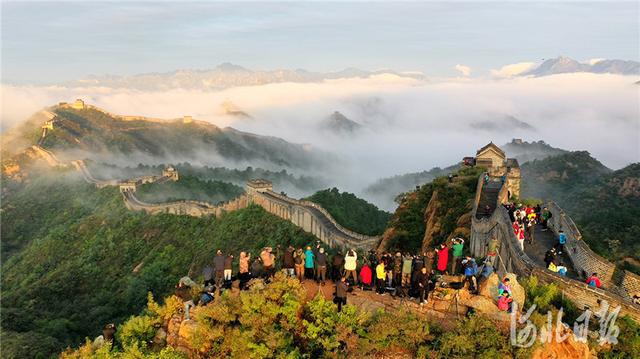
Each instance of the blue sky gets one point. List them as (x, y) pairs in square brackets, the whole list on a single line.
[(55, 41)]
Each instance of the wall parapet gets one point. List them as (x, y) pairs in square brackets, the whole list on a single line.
[(341, 228), (584, 260)]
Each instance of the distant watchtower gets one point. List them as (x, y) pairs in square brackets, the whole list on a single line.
[(78, 104), (258, 186), (171, 173)]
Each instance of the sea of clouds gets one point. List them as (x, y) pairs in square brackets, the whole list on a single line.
[(408, 125)]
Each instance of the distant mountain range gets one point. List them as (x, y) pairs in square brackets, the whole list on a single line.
[(228, 75), (95, 134), (562, 65), (224, 76)]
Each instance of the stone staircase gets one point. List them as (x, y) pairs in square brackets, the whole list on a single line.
[(488, 199)]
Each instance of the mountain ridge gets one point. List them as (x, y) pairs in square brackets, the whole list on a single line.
[(562, 64), (226, 75)]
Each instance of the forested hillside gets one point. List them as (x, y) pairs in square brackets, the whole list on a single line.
[(282, 180), (604, 204), (352, 212), (96, 134), (189, 188), (74, 258)]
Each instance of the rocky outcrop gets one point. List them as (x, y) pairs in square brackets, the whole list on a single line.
[(568, 348), (432, 221)]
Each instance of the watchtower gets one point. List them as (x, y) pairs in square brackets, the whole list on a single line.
[(258, 186), (495, 160), (171, 173), (78, 104), (128, 186)]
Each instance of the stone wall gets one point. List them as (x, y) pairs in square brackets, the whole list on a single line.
[(631, 284), (190, 208), (584, 260), (313, 219)]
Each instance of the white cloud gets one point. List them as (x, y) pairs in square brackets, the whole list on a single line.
[(464, 70), (513, 69), (409, 125), (594, 61)]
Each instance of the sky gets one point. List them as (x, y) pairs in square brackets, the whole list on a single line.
[(53, 42)]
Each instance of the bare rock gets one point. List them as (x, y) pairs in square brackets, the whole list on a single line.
[(568, 348)]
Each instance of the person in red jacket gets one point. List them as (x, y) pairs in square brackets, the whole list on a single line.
[(443, 258), (366, 276), (594, 281)]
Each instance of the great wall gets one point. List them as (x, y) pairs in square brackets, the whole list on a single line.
[(512, 259), (490, 220)]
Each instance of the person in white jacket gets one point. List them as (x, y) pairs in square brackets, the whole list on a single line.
[(350, 265)]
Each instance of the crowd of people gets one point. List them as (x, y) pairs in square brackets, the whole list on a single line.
[(400, 275), (524, 219)]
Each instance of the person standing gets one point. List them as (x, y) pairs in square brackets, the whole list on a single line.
[(350, 265), (458, 246), (366, 276), (397, 269), (288, 263), (422, 282), (443, 258), (407, 260), (268, 261), (546, 215), (336, 266), (380, 275), (298, 262), (309, 259), (470, 270), (228, 267), (321, 266), (562, 240), (243, 265), (341, 293), (218, 266)]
